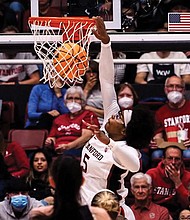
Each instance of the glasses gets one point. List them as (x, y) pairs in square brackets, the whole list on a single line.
[(173, 158), (177, 87), (73, 98), (185, 218)]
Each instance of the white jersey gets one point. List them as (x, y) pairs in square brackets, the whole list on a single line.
[(101, 171), (102, 166)]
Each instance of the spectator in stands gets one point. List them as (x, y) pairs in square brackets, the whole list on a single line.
[(127, 96), (109, 201), (157, 73), (45, 10), (143, 207), (4, 176), (119, 69), (127, 99), (17, 204), (18, 6), (68, 133), (7, 16), (66, 178), (15, 158), (105, 9), (184, 215), (173, 117), (128, 16), (44, 105), (92, 91), (170, 181), (17, 73), (38, 180)]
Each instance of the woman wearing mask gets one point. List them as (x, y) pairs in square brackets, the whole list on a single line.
[(127, 96), (68, 134), (127, 99)]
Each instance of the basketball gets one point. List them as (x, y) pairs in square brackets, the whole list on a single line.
[(70, 60)]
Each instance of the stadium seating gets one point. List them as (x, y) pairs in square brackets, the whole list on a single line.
[(28, 139)]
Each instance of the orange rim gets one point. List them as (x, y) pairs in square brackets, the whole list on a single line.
[(55, 21)]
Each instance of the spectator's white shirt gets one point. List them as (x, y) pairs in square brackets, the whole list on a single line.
[(16, 72), (161, 70)]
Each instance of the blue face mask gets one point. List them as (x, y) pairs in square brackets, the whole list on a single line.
[(19, 202)]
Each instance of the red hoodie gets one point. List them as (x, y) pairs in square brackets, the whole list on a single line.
[(164, 191), (16, 160)]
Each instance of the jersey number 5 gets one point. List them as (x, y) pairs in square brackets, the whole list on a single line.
[(85, 160)]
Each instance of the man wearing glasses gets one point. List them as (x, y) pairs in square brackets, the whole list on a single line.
[(173, 118), (170, 181)]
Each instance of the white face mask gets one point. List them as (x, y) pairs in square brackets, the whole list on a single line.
[(73, 107), (175, 96), (125, 102)]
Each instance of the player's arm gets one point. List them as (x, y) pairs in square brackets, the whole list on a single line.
[(106, 72), (125, 157)]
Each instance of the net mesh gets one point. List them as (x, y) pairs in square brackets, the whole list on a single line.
[(51, 34)]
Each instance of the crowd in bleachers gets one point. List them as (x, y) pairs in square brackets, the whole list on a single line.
[(137, 15), (158, 131)]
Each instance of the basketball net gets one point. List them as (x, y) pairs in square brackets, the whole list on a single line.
[(51, 33)]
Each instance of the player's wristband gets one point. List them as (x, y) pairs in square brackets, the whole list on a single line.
[(106, 45)]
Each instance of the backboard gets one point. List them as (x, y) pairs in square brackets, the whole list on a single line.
[(113, 23)]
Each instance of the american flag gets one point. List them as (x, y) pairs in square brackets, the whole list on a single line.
[(179, 22)]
